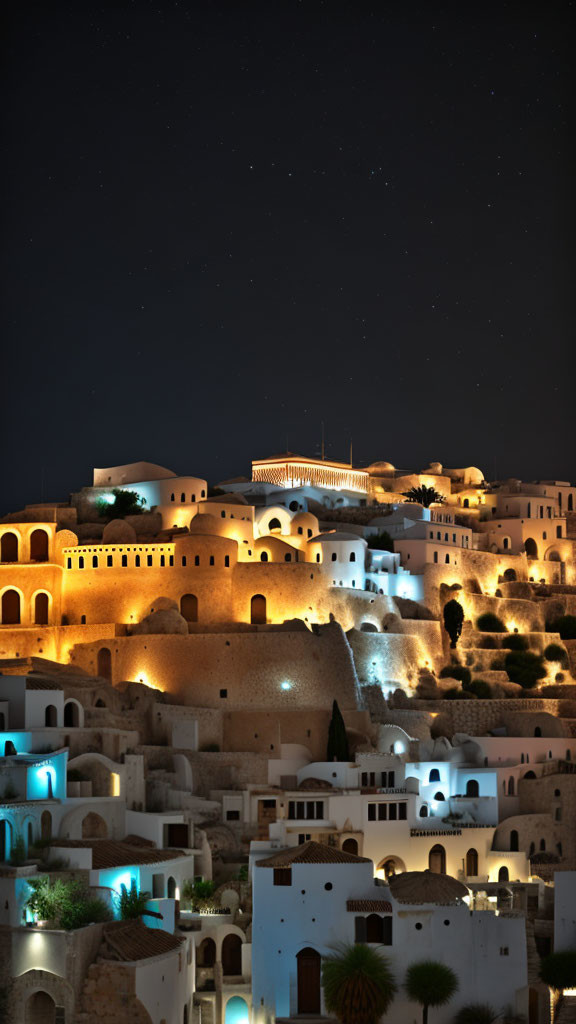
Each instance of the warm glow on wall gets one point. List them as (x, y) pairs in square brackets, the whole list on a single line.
[(142, 677), (115, 784)]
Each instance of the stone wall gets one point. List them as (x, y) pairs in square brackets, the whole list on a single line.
[(478, 717)]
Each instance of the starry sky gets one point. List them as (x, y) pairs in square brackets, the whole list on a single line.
[(228, 222)]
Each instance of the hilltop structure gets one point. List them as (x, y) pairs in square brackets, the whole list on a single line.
[(155, 666)]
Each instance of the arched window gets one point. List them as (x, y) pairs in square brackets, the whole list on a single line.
[(274, 524), (542, 846), (182, 497), (447, 558), (10, 608), (94, 561), (51, 716), (300, 530), (350, 846), (537, 731), (71, 714), (258, 610), (434, 775), (9, 547), (41, 606), (232, 955), (437, 860), (189, 607), (263, 556), (531, 547), (472, 863), (435, 556), (439, 796), (333, 556), (472, 788), (104, 660), (511, 786), (506, 543), (503, 875), (352, 556), (374, 928), (172, 497), (287, 557), (81, 562), (424, 811), (514, 840), (207, 953), (529, 775), (171, 888), (38, 546), (137, 561)]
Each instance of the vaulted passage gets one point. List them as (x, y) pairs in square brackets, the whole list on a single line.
[(189, 607), (232, 955), (258, 610), (8, 547), (40, 1009)]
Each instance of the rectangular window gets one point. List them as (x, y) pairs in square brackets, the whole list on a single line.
[(232, 815), (171, 560), (68, 563), (392, 812), (223, 693), (387, 931), (226, 560), (196, 559), (109, 561), (282, 876), (183, 559), (402, 811), (364, 779), (124, 561), (162, 560), (371, 812), (504, 951), (310, 809), (211, 559), (391, 779), (319, 809), (300, 808), (291, 810), (149, 559), (303, 837), (381, 812)]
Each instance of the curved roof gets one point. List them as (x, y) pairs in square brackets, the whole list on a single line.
[(336, 535), (381, 467), (426, 887)]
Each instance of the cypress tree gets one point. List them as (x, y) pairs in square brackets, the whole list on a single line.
[(337, 739)]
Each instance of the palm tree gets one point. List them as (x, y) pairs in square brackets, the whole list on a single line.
[(431, 984), (558, 971), (358, 984), (424, 496)]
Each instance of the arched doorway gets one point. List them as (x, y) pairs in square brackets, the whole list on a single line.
[(171, 888), (232, 956), (308, 968), (41, 608), (437, 860), (105, 663), (531, 547), (94, 827), (189, 607), (258, 610), (71, 714), (50, 716), (46, 825), (9, 547), (391, 866), (207, 953), (40, 1009), (10, 608), (38, 546), (350, 846), (274, 526), (529, 775), (236, 1011), (472, 788), (472, 863), (503, 875), (514, 839)]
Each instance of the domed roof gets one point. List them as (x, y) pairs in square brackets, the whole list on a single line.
[(426, 887), (380, 468), (206, 523), (118, 531)]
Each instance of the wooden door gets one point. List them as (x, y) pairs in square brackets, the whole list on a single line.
[(309, 962)]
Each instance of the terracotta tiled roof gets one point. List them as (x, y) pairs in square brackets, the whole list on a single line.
[(311, 853), (139, 841), (110, 853), (369, 906), (132, 940), (426, 887)]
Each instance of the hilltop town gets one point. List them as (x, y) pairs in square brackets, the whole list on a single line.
[(247, 721)]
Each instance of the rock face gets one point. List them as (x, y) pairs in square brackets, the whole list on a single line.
[(166, 620), (118, 531)]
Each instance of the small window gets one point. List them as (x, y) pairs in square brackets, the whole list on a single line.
[(172, 498), (371, 812), (232, 815), (392, 812), (227, 561), (447, 559), (318, 556), (309, 532), (222, 513), (435, 556), (282, 876), (223, 694), (183, 559), (333, 556), (137, 561), (196, 559), (124, 561), (300, 530), (352, 556), (192, 497), (94, 561), (382, 808), (162, 560), (287, 557), (504, 951), (203, 494), (81, 562), (211, 559), (402, 811), (182, 498), (83, 620), (68, 563), (109, 561), (171, 560), (149, 559)]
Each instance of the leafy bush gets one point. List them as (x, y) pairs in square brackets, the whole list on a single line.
[(480, 689), (554, 652), (515, 642), (424, 496), (459, 672), (558, 970), (18, 851), (456, 694), (126, 503), (132, 902), (525, 668), (68, 904), (488, 622), (200, 895), (565, 625), (453, 621)]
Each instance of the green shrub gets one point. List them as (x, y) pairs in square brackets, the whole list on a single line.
[(132, 902), (456, 694), (488, 622), (126, 503), (87, 910), (525, 668), (453, 621), (68, 904), (565, 625), (459, 672), (515, 642), (200, 895), (554, 652), (480, 689), (18, 851)]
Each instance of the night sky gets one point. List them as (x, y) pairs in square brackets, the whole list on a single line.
[(227, 222)]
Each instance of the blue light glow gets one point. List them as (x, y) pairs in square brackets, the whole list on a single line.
[(286, 686)]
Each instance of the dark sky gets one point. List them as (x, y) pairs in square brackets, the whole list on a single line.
[(227, 222)]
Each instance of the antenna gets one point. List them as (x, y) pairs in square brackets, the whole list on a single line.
[(350, 453), (323, 448)]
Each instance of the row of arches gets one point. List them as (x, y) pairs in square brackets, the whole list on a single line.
[(231, 955), (11, 607), (10, 546)]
